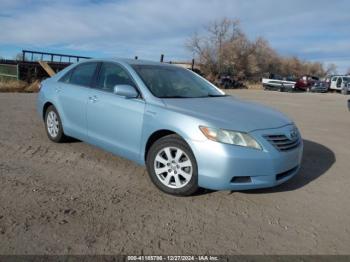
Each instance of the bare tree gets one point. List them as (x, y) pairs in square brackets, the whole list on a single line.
[(210, 48), (331, 69), (225, 49)]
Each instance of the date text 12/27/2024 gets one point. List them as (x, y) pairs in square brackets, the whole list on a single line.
[(172, 258)]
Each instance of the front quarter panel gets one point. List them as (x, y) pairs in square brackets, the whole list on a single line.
[(160, 118)]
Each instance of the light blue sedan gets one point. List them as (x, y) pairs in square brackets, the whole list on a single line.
[(186, 131)]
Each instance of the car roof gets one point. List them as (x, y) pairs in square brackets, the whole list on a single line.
[(129, 61)]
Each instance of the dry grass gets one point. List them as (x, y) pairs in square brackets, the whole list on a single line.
[(18, 86), (253, 85), (12, 86)]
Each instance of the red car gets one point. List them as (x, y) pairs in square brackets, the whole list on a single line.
[(305, 83)]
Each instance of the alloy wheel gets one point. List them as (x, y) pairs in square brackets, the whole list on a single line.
[(52, 124), (173, 167)]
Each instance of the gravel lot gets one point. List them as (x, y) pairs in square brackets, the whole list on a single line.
[(73, 198)]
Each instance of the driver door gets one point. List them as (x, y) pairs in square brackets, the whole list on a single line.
[(115, 122)]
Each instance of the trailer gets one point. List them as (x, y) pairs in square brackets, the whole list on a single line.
[(33, 65)]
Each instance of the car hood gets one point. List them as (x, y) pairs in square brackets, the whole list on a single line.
[(229, 113)]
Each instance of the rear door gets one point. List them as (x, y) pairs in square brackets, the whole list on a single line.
[(74, 93), (115, 122), (334, 82), (339, 82)]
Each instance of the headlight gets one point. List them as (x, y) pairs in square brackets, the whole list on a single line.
[(230, 137)]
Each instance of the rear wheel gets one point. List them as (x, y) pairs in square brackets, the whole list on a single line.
[(53, 125), (172, 166)]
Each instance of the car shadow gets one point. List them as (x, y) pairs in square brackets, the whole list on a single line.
[(70, 140), (317, 159)]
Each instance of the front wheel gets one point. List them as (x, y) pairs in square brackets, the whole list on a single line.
[(53, 125), (172, 166)]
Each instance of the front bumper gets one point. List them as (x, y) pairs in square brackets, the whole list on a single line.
[(230, 167)]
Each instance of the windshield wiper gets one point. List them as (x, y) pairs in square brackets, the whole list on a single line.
[(175, 97), (209, 95)]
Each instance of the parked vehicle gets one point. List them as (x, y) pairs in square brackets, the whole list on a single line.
[(328, 81), (340, 83), (276, 82), (186, 131), (320, 87), (228, 82), (306, 82), (349, 104), (346, 89)]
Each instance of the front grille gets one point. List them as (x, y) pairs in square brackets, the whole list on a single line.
[(282, 142)]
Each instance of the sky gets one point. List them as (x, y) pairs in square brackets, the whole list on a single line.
[(317, 30)]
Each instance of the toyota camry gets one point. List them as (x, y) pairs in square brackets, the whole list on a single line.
[(186, 131)]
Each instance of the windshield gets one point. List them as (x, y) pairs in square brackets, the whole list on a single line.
[(175, 82), (346, 79)]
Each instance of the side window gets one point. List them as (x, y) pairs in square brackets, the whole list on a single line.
[(112, 75), (83, 74), (334, 79), (66, 77)]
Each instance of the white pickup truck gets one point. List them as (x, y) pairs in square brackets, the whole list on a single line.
[(275, 82)]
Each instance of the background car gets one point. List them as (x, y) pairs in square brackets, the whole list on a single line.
[(346, 88), (340, 82), (277, 82), (228, 82), (306, 82), (320, 87)]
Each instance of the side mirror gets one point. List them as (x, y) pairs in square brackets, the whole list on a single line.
[(126, 91)]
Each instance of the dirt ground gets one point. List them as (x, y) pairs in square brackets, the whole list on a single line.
[(73, 198)]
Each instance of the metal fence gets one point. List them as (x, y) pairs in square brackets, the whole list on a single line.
[(8, 72), (28, 68)]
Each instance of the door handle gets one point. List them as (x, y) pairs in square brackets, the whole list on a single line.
[(93, 99), (58, 89)]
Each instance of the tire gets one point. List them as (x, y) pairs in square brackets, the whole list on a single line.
[(172, 176), (53, 125)]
